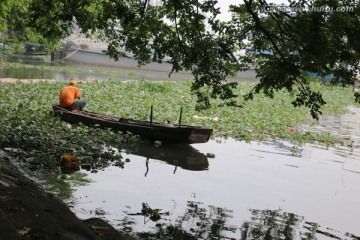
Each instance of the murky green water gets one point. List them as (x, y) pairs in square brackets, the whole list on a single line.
[(85, 71), (247, 191), (93, 66)]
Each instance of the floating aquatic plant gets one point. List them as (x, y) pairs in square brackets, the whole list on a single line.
[(27, 122), (29, 130)]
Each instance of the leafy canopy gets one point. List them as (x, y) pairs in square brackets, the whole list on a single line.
[(286, 46)]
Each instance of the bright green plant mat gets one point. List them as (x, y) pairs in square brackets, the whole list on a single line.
[(27, 122), (37, 139)]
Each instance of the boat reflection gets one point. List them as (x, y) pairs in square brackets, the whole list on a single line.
[(184, 156)]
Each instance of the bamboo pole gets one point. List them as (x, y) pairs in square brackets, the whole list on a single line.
[(180, 118), (151, 114)]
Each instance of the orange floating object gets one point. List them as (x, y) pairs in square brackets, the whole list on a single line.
[(293, 129), (70, 163)]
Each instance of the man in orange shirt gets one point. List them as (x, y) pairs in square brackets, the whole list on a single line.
[(68, 95)]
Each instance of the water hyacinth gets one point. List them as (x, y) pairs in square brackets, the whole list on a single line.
[(27, 122)]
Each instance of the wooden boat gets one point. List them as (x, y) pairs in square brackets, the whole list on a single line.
[(152, 131)]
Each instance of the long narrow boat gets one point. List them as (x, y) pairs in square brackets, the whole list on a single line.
[(152, 131)]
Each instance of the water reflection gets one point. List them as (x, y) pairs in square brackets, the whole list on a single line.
[(247, 191), (184, 156), (268, 224), (209, 222), (277, 224), (282, 148), (198, 222)]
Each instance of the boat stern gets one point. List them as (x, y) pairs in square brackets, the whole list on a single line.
[(200, 135)]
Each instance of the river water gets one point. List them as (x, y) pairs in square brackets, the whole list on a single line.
[(89, 63), (226, 189)]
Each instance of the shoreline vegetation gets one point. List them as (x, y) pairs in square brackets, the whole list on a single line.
[(30, 132), (255, 120), (29, 129)]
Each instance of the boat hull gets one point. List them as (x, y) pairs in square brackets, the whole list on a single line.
[(166, 133)]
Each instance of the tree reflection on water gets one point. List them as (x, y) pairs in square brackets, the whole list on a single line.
[(210, 222), (198, 222), (276, 224)]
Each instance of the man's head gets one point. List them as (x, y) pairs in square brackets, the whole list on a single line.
[(73, 83)]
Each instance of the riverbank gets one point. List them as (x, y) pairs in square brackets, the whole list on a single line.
[(27, 211), (14, 80)]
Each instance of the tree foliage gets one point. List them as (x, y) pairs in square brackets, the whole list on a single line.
[(16, 27), (286, 46), (315, 40)]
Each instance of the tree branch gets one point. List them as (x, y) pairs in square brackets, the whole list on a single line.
[(260, 26)]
